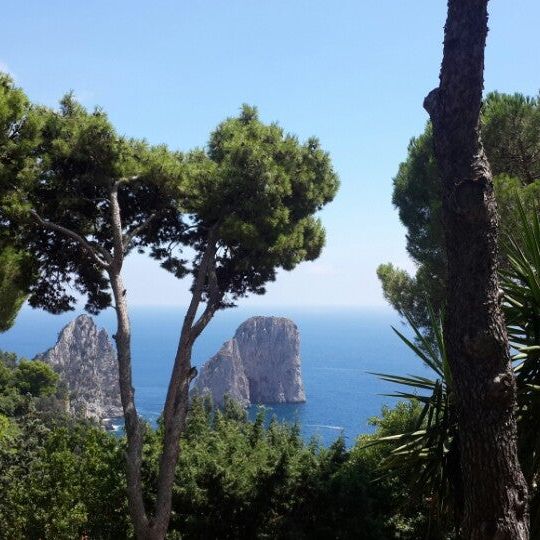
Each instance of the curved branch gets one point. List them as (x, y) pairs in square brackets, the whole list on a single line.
[(214, 297), (126, 179), (128, 237), (207, 262), (97, 253)]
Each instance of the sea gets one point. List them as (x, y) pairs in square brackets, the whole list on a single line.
[(339, 350)]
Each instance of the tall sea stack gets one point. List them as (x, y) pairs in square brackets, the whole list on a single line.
[(86, 361), (260, 364)]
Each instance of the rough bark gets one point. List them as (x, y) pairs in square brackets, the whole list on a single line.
[(495, 493)]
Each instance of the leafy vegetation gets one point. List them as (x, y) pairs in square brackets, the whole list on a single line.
[(20, 126), (521, 283), (64, 479), (27, 386), (511, 138), (244, 207), (427, 452), (228, 216)]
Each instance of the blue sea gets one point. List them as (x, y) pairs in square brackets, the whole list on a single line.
[(338, 349)]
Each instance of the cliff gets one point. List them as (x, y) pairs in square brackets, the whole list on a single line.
[(260, 364), (86, 361)]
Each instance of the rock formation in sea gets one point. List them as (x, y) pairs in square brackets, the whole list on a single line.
[(86, 361), (260, 364)]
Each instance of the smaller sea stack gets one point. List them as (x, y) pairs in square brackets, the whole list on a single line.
[(260, 364)]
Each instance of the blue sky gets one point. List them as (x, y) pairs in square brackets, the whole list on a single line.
[(351, 72)]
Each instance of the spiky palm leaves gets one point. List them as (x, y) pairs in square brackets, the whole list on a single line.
[(428, 455), (521, 284)]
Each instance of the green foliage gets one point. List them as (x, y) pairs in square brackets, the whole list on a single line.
[(255, 187), (19, 139), (14, 279), (8, 359), (35, 378), (6, 372), (28, 386), (79, 156), (521, 284), (8, 430), (406, 293), (254, 191), (20, 131), (511, 193), (58, 477), (511, 134), (235, 479), (409, 516), (259, 188), (62, 482), (427, 452), (417, 196)]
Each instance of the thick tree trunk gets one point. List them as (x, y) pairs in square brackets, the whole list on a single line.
[(177, 401), (174, 424), (133, 426), (495, 493)]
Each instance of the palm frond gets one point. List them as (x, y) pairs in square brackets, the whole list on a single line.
[(426, 455), (520, 281)]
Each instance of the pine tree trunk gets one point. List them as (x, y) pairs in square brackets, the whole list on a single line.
[(132, 423), (495, 493), (133, 426)]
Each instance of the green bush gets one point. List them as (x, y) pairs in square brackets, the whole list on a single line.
[(236, 479)]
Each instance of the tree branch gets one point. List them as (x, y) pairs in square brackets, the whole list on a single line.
[(104, 261), (214, 297), (177, 401), (128, 237), (125, 180), (116, 223), (206, 260)]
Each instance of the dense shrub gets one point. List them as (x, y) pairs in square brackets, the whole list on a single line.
[(62, 478)]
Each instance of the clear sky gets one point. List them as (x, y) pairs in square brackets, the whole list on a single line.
[(351, 72)]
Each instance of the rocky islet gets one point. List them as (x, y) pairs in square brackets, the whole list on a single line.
[(260, 364)]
